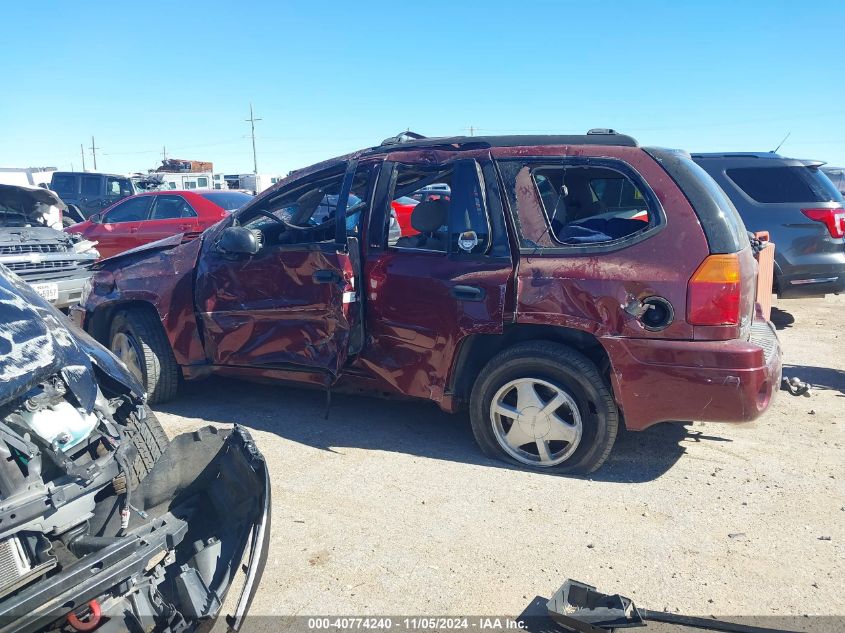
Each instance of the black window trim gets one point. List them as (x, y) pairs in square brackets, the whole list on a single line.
[(657, 220)]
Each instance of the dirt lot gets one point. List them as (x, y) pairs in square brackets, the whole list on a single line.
[(389, 507)]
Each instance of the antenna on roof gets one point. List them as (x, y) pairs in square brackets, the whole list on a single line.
[(775, 150)]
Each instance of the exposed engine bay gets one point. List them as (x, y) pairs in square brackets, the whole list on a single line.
[(105, 524)]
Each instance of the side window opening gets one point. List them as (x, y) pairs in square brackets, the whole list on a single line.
[(133, 210), (304, 214), (589, 204), (438, 209), (90, 185), (170, 208)]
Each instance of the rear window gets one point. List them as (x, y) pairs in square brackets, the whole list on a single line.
[(227, 200), (784, 184)]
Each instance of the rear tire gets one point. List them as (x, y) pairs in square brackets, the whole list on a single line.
[(544, 406), (149, 439), (138, 339)]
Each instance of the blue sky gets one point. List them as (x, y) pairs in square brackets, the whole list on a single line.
[(330, 77)]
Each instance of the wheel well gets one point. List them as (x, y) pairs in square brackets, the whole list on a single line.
[(477, 349), (102, 317)]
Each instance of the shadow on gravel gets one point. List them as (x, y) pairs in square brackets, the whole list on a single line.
[(781, 319), (414, 428), (818, 377)]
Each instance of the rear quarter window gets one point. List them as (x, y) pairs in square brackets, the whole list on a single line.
[(784, 184)]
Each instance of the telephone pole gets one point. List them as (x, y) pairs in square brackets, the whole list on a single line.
[(163, 154), (94, 152), (82, 151), (252, 121)]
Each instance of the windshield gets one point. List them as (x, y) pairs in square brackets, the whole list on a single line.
[(227, 200)]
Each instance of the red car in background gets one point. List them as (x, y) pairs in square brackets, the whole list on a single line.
[(402, 208), (148, 217)]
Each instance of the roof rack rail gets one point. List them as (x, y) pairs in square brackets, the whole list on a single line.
[(402, 137)]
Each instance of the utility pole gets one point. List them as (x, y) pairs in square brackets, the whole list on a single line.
[(252, 121), (94, 152), (82, 151), (163, 154)]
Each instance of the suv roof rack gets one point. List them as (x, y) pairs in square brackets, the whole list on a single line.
[(595, 136)]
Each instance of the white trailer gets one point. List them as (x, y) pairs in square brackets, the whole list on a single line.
[(26, 176)]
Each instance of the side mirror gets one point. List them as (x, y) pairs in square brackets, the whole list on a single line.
[(96, 218), (237, 240)]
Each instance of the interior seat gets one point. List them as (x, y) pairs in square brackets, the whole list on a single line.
[(428, 218)]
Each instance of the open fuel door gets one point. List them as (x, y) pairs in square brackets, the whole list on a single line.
[(293, 305)]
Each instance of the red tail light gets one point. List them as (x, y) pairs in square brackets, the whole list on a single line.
[(833, 219), (713, 293)]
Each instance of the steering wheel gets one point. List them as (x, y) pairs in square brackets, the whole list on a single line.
[(267, 214)]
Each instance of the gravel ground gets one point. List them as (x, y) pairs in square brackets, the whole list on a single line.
[(389, 508)]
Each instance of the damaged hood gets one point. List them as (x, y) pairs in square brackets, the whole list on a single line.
[(29, 206), (37, 341)]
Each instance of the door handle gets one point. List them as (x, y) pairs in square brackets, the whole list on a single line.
[(326, 277), (468, 293), (134, 229)]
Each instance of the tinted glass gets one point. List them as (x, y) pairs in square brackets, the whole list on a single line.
[(64, 184), (469, 230), (784, 184), (132, 210), (171, 207), (228, 200), (90, 186)]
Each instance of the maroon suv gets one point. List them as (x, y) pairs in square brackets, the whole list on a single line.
[(565, 284)]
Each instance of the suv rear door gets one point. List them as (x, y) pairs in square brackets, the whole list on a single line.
[(291, 306), (428, 291), (170, 215)]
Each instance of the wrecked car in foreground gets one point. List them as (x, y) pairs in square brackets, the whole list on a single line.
[(104, 524)]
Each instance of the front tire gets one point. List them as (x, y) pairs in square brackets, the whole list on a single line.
[(544, 406), (138, 339)]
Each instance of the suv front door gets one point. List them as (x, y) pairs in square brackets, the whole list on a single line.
[(117, 229), (290, 306)]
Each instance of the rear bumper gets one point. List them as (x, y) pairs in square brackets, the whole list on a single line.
[(814, 283), (709, 381)]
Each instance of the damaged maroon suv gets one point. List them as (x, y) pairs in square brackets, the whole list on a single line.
[(557, 287)]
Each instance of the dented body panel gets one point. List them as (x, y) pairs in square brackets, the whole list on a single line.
[(269, 318)]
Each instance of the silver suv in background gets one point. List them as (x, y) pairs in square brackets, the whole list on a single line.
[(800, 208), (32, 245)]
